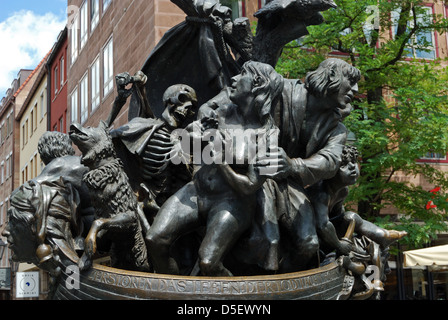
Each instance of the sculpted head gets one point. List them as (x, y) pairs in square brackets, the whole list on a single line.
[(180, 103), (258, 86), (22, 228), (349, 170), (335, 80), (53, 145)]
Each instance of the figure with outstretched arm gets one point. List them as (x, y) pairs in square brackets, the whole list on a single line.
[(328, 199), (138, 89)]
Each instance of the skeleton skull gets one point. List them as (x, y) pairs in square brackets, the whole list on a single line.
[(180, 104)]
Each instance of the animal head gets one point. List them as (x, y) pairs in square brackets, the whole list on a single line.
[(95, 143)]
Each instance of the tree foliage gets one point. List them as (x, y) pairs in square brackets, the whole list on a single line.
[(402, 110)]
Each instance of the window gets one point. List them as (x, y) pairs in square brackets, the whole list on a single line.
[(10, 164), (83, 24), (422, 44), (95, 72), (434, 156), (32, 168), (25, 177), (56, 77), (74, 39), (94, 13), (106, 4), (62, 66), (42, 101), (35, 165), (2, 173), (7, 167), (26, 130), (108, 68), (9, 124), (34, 116), (3, 132), (23, 135), (32, 122), (61, 125), (84, 98), (74, 107)]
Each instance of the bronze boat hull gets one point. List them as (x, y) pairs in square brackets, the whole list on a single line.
[(106, 283)]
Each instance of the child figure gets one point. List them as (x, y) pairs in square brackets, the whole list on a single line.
[(328, 198)]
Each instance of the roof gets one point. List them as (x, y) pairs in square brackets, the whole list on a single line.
[(31, 75), (61, 39), (39, 71), (41, 74)]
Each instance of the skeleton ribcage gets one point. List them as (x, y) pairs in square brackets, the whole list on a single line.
[(161, 176)]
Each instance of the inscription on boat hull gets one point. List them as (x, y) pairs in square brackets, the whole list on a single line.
[(156, 287)]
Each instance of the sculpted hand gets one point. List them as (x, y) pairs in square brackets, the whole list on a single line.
[(208, 123), (122, 80), (276, 164), (139, 78)]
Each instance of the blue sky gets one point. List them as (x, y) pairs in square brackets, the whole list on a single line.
[(9, 7), (28, 30)]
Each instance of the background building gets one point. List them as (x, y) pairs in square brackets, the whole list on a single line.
[(110, 37), (57, 85), (107, 38), (13, 100), (32, 120)]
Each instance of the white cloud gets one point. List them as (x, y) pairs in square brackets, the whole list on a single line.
[(25, 39)]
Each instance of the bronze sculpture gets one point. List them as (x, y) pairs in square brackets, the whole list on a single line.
[(220, 197), (258, 215), (117, 214)]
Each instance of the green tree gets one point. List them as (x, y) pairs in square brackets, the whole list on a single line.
[(402, 113)]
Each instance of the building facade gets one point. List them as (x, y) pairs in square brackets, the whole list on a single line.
[(11, 102), (57, 85), (109, 37), (32, 121)]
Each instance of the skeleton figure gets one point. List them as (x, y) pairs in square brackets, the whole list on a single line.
[(162, 177), (148, 146)]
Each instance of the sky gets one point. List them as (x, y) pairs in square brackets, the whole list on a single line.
[(28, 31)]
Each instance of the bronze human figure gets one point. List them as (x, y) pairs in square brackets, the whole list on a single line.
[(221, 197), (43, 221), (328, 197)]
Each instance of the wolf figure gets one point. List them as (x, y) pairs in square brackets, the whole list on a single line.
[(117, 214)]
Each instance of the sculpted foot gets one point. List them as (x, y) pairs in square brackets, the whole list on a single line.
[(392, 236)]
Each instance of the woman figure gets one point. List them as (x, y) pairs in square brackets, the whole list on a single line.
[(222, 196)]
